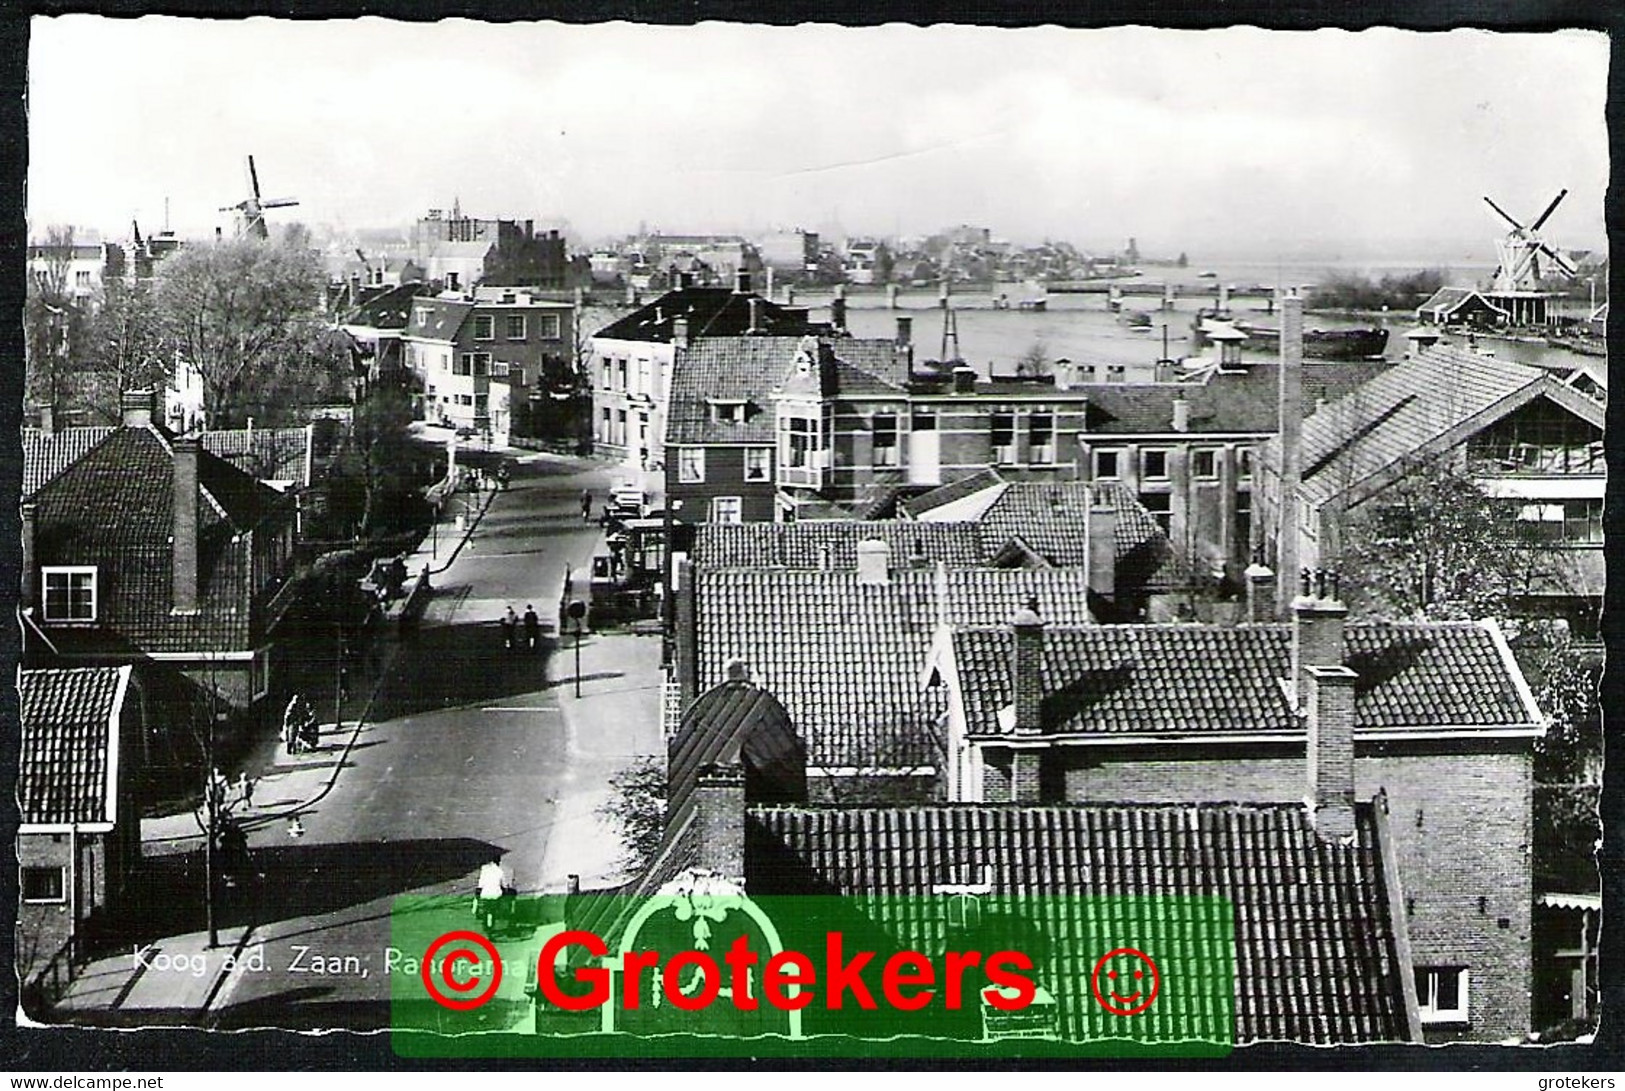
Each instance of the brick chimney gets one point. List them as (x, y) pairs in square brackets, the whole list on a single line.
[(679, 332), (755, 313), (1182, 413), (1317, 630), (1027, 668), (1329, 697), (1289, 405), (742, 282), (685, 280), (837, 309), (1260, 592), (905, 329), (184, 547), (1102, 553), (964, 380), (138, 407), (47, 420), (874, 563), (30, 532), (719, 814)]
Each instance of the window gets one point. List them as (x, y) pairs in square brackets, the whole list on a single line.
[(604, 383), (1154, 464), (45, 884), (730, 411), (1244, 463), (756, 464), (1244, 516), (1004, 437), (1205, 463), (691, 465), (81, 278), (803, 440), (482, 403), (1108, 465), (885, 439), (70, 593), (453, 281), (1441, 993), (725, 509), (260, 674), (964, 911), (501, 370), (620, 374), (1086, 373), (484, 327), (1041, 439), (474, 364), (643, 379), (420, 315), (1115, 373), (547, 327), (925, 420), (1159, 504), (516, 327)]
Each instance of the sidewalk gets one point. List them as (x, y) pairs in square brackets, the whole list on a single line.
[(174, 980), (614, 721)]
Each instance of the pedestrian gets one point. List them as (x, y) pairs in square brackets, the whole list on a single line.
[(510, 625), (532, 627), (492, 885), (586, 506), (245, 788), (293, 721), (344, 679)]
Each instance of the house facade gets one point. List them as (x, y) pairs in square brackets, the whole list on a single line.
[(631, 359), (1437, 717), (80, 835), (474, 355), (151, 551), (1523, 434)]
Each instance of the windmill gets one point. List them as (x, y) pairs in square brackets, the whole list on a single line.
[(251, 212), (1521, 250)]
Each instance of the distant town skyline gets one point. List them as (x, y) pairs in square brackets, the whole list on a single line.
[(1244, 143)]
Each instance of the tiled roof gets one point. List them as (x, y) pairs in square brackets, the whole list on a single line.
[(711, 312), (833, 543), (69, 744), (1244, 401), (1052, 519), (1316, 955), (878, 364), (45, 456), (1398, 413), (390, 309), (441, 318), (727, 369), (845, 658), (1184, 680), (114, 509), (1446, 300), (269, 454), (735, 723)]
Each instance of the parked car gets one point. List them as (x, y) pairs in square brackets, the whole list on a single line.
[(628, 500)]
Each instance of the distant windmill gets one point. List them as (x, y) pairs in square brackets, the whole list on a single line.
[(251, 212), (1521, 250)]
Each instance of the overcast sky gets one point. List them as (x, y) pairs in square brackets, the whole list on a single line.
[(1242, 142)]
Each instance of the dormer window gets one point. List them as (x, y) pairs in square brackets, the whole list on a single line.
[(730, 410), (70, 593)]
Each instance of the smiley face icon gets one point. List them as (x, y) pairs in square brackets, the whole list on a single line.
[(1125, 981)]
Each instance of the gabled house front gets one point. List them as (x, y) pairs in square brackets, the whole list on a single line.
[(153, 552)]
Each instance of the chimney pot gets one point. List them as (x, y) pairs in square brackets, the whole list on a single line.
[(573, 884), (905, 329), (1102, 552), (1260, 592), (47, 420), (964, 380), (742, 281), (737, 671), (184, 547), (1182, 413), (1317, 637), (679, 332), (755, 314), (874, 563)]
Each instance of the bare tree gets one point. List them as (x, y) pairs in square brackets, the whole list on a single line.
[(53, 321), (247, 316)]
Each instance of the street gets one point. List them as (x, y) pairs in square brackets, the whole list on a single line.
[(461, 760)]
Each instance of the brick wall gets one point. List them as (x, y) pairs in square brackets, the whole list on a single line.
[(1461, 827), (724, 476)]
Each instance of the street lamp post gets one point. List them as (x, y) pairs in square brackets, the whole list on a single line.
[(578, 613)]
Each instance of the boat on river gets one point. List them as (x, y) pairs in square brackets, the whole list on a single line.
[(1356, 344)]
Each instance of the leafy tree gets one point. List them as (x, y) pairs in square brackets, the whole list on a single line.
[(247, 316), (636, 808), (1568, 761)]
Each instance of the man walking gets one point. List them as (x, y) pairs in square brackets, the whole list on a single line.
[(586, 506), (533, 627), (510, 626)]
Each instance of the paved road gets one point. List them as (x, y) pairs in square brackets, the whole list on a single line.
[(462, 760)]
